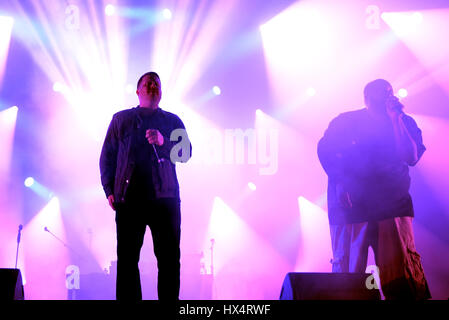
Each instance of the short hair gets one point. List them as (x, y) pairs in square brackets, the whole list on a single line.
[(374, 86), (151, 73)]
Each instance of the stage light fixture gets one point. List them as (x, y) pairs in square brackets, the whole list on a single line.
[(402, 93), (311, 91), (6, 20), (57, 86), (29, 182), (216, 90), (109, 10), (167, 14), (6, 25), (252, 186), (403, 23)]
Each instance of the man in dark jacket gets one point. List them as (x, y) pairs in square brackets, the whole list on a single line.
[(138, 175), (366, 154)]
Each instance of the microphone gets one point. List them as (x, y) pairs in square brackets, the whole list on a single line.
[(18, 242), (394, 104), (159, 160), (45, 228), (18, 235)]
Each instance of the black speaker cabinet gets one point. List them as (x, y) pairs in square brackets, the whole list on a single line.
[(11, 287), (328, 286)]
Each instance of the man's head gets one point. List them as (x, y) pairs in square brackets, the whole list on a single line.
[(377, 93), (149, 89)]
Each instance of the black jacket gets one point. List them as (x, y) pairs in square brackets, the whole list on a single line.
[(117, 159), (361, 156)]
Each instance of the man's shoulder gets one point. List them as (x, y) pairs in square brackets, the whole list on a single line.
[(353, 114), (350, 116), (169, 115), (123, 116), (124, 113)]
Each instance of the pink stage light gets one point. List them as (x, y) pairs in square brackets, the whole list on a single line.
[(226, 227), (311, 92), (92, 78), (425, 35), (167, 14), (109, 10), (58, 87), (7, 128), (403, 23), (300, 33), (316, 251), (186, 45), (252, 186), (29, 182), (9, 199), (6, 25), (45, 257), (216, 90), (298, 43), (241, 257), (402, 93)]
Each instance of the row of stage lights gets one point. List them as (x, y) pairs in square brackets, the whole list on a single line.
[(111, 10), (32, 184), (47, 194), (59, 87), (38, 188), (129, 89)]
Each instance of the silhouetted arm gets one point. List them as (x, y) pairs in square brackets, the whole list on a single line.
[(408, 139), (108, 159), (331, 150)]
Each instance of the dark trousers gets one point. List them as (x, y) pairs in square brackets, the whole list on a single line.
[(163, 216)]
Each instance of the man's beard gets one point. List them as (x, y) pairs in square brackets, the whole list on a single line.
[(153, 94)]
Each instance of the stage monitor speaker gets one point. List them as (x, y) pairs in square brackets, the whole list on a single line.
[(328, 286), (11, 287)]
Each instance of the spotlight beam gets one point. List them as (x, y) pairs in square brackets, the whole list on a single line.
[(6, 25)]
